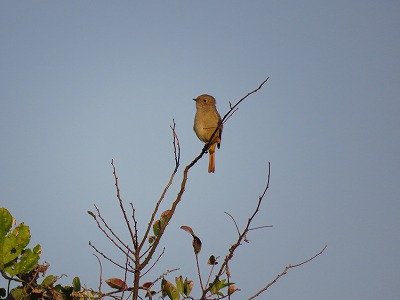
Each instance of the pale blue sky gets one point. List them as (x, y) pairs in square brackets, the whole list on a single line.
[(82, 82)]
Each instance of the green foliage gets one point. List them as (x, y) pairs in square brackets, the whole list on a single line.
[(76, 283), (169, 289), (184, 287), (20, 264), (15, 258), (217, 285)]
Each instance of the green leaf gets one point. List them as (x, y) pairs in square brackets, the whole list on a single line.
[(179, 284), (26, 263), (76, 282), (49, 281), (65, 290), (156, 227), (217, 285), (187, 287), (170, 290), (37, 249), (14, 257), (5, 222), (15, 242), (19, 293)]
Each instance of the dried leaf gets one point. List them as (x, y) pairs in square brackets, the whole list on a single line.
[(92, 214), (187, 229), (212, 260), (152, 238), (117, 283), (147, 285), (187, 287), (231, 289), (166, 215), (196, 244), (150, 293)]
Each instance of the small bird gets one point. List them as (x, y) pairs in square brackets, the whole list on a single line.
[(206, 121)]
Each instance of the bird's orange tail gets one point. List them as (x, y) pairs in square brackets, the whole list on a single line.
[(211, 161)]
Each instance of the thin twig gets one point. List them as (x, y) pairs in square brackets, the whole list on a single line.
[(109, 259), (230, 115), (234, 221), (164, 274), (145, 252), (177, 154), (135, 242), (198, 271), (121, 204), (151, 267), (101, 272), (284, 272), (177, 147), (125, 274), (112, 232), (242, 236), (260, 227)]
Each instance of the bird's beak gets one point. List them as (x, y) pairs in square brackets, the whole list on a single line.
[(194, 99)]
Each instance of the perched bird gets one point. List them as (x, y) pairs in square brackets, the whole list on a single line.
[(206, 121)]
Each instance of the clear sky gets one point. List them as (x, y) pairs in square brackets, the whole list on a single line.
[(82, 82)]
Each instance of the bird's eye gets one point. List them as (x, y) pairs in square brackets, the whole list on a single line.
[(204, 100)]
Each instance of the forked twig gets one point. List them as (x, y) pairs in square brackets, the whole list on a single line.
[(155, 262), (234, 221), (111, 231), (284, 272), (177, 156), (242, 236), (107, 258)]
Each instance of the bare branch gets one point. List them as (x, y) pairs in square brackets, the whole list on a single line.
[(242, 236), (135, 242), (284, 272), (112, 232), (107, 258), (230, 115), (101, 272), (121, 204), (165, 274), (158, 258), (177, 147), (198, 271), (260, 227), (125, 274), (177, 153), (234, 221), (185, 176)]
